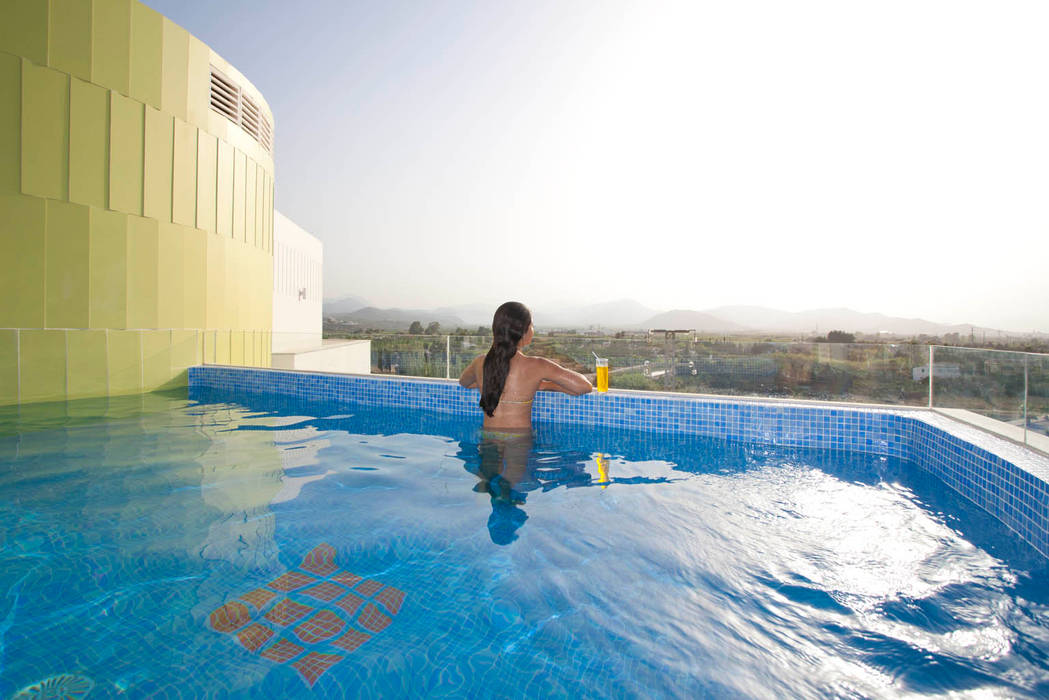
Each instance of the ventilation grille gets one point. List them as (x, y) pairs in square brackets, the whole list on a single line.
[(225, 95), (249, 117), (229, 100), (265, 133)]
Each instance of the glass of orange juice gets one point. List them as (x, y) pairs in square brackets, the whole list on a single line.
[(602, 374)]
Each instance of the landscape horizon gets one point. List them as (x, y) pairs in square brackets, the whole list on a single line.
[(628, 314)]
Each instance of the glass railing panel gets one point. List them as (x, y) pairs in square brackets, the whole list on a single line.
[(631, 361), (989, 383), (1038, 394), (869, 373), (411, 355)]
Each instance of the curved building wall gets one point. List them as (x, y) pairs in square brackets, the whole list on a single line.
[(135, 219)]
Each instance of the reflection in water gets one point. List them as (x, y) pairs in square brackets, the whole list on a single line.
[(601, 460), (509, 465)]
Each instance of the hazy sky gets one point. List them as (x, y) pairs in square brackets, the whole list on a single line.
[(884, 156)]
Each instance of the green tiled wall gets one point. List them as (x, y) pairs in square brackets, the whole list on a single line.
[(175, 57), (88, 144), (24, 29), (108, 270), (42, 365), (22, 243), (66, 270), (158, 166), (45, 131), (171, 277), (8, 367), (147, 60), (126, 129), (10, 124), (132, 219), (184, 175), (70, 44), (143, 261), (124, 359), (87, 352), (207, 175), (111, 44)]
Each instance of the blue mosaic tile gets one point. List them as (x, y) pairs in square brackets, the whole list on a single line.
[(1007, 481)]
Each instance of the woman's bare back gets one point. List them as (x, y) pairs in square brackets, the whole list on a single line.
[(527, 375)]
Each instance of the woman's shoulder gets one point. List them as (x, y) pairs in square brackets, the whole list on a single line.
[(534, 363)]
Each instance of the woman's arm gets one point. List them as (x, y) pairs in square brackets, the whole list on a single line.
[(470, 377), (547, 385), (562, 379)]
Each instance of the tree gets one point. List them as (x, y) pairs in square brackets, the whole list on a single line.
[(416, 328), (840, 337), (433, 328), (482, 330)]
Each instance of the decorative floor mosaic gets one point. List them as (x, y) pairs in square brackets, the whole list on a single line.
[(311, 617)]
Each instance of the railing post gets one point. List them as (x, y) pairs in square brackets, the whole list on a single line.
[(447, 357), (931, 348), (1025, 398)]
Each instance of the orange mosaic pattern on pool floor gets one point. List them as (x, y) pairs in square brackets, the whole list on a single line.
[(259, 597), (346, 578), (350, 603), (314, 665), (391, 598), (368, 588), (351, 640), (254, 636), (325, 591), (323, 625), (310, 621), (233, 615), (373, 620), (282, 651), (320, 561), (287, 611)]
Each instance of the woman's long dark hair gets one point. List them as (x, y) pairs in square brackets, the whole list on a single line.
[(509, 325)]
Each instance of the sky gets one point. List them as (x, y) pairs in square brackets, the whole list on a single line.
[(886, 156)]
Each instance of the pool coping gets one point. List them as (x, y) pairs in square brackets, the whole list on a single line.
[(1008, 480)]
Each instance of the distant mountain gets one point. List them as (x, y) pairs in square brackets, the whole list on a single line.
[(623, 313), (344, 305), (820, 321), (471, 314), (397, 319), (682, 319), (629, 314)]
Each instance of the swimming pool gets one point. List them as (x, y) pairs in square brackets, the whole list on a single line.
[(248, 545)]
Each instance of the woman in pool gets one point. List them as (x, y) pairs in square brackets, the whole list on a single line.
[(508, 379)]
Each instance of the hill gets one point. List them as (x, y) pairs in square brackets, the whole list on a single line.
[(396, 319)]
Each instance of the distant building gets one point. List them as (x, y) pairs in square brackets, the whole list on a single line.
[(298, 290)]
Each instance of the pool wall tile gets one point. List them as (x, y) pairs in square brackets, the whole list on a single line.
[(1008, 481)]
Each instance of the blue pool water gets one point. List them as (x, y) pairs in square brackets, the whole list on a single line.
[(159, 547)]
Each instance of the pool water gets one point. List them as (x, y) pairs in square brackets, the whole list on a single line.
[(156, 546)]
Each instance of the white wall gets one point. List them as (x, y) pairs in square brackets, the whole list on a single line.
[(352, 356), (298, 286)]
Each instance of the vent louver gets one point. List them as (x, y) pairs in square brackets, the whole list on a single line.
[(265, 133), (228, 99), (249, 117), (225, 96)]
